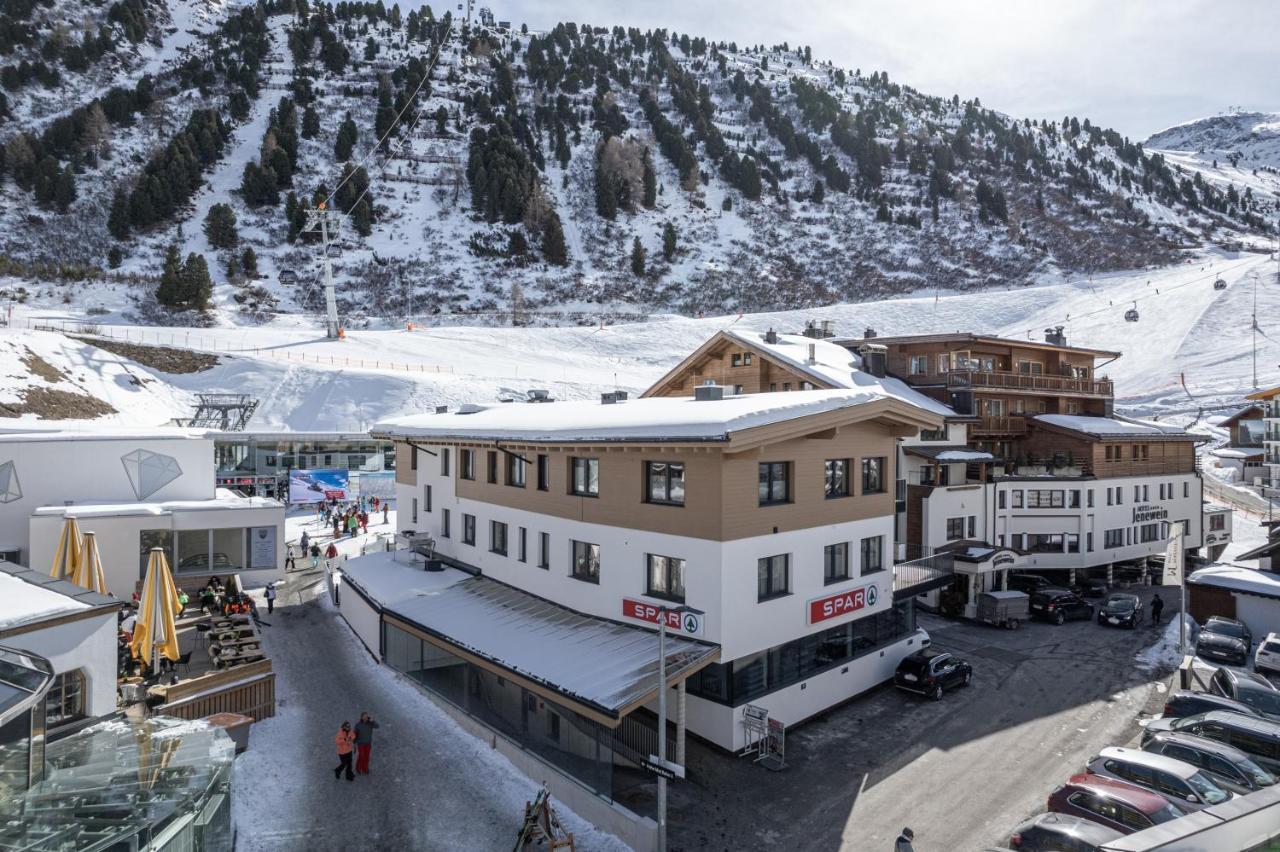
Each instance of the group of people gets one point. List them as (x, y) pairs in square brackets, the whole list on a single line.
[(357, 739), (351, 519)]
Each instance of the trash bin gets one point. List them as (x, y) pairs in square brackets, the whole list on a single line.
[(236, 725)]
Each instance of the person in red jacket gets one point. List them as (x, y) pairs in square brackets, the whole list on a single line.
[(345, 740)]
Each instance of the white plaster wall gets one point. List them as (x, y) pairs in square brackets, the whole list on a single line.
[(88, 644), (364, 620)]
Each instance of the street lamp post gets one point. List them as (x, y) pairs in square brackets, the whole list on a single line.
[(662, 715), (337, 589)]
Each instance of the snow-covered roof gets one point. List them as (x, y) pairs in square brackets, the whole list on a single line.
[(947, 453), (1239, 579), (605, 665), (222, 500), (1236, 415), (96, 433), (390, 577), (970, 337), (1238, 452), (1107, 427), (835, 365), (30, 597), (665, 419)]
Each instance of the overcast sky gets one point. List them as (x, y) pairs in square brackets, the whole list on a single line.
[(1135, 66)]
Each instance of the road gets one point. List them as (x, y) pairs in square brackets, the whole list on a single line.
[(962, 772)]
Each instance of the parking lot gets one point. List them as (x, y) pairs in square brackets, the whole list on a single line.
[(962, 772)]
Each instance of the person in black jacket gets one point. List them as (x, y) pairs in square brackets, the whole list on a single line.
[(903, 843), (364, 742), (1157, 607)]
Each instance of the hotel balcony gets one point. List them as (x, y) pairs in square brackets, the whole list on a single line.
[(1014, 425), (1029, 383)]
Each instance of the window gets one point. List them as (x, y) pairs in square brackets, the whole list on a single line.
[(1110, 497), (1031, 368), (773, 577), (413, 458), (1089, 541), (973, 524), (746, 359), (492, 467), (739, 390), (468, 464), (944, 363), (935, 434), (1044, 542), (786, 386), (64, 702), (444, 523), (1149, 532), (585, 477), (544, 473), (873, 475), (468, 529), (414, 510), (1217, 522), (664, 577), (736, 359), (498, 538), (1186, 489), (1137, 493), (919, 365), (444, 461), (1073, 543), (1017, 499), (515, 470), (837, 478), (544, 550), (1073, 500), (774, 478), (426, 499), (664, 483), (1090, 500), (586, 562), (1044, 499), (955, 528), (1112, 539), (1000, 499), (522, 544), (872, 555), (835, 563)]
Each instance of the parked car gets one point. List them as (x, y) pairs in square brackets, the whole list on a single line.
[(1267, 657), (1121, 610), (1185, 702), (1225, 640), (1028, 583), (1255, 736), (1089, 588), (1248, 688), (931, 672), (1228, 766), (1115, 804), (1061, 833), (1059, 605), (1180, 783)]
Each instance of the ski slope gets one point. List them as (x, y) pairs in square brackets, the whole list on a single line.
[(305, 382)]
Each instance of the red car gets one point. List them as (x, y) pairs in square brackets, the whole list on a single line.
[(1112, 803)]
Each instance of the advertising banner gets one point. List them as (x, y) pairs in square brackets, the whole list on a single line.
[(314, 486), (1174, 555), (842, 603), (380, 485), (683, 622)]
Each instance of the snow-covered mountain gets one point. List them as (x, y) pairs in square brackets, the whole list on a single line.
[(511, 176), (1250, 138)]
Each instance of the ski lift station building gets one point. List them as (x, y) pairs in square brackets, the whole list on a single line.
[(135, 490)]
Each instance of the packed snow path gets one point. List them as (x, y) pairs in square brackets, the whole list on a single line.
[(432, 786)]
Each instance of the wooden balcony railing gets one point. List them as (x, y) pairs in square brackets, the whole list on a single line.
[(1013, 424), (248, 689), (1029, 382)]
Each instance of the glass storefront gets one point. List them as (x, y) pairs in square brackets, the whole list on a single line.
[(596, 756), (215, 551)]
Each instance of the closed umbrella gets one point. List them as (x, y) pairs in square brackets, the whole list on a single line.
[(89, 573), (156, 630), (66, 560)]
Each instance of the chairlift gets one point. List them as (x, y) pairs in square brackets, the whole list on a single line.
[(1220, 284), (333, 250), (1131, 315), (288, 276)]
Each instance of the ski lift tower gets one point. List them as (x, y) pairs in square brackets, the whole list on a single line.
[(328, 223)]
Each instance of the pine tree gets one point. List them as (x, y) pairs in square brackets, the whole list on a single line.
[(197, 286), (362, 217), (249, 262), (220, 227), (64, 190), (169, 292), (650, 196), (668, 241), (553, 245), (819, 192), (118, 218), (442, 121), (310, 123), (115, 257), (637, 257), (347, 136), (882, 213), (517, 245)]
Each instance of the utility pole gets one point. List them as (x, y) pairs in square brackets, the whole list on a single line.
[(326, 221), (1255, 330)]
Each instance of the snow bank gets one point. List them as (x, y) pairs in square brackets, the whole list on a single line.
[(1164, 654)]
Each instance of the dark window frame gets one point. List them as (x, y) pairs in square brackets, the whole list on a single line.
[(835, 472), (495, 546), (591, 574), (673, 569), (768, 477), (866, 551), (663, 495), (873, 475), (586, 464), (768, 569), (469, 529), (832, 572), (515, 472)]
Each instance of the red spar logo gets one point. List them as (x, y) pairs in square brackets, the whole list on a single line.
[(833, 606)]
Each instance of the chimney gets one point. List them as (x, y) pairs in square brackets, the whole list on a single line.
[(442, 409), (874, 357), (612, 397), (813, 353), (771, 336), (708, 392), (812, 330), (1055, 336), (869, 333)]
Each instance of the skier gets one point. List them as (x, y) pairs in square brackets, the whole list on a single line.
[(364, 742)]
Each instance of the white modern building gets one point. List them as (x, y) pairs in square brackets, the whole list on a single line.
[(135, 490), (73, 629), (770, 514), (1270, 400)]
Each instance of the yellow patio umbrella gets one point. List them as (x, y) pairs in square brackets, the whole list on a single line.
[(156, 629), (89, 573), (66, 560)]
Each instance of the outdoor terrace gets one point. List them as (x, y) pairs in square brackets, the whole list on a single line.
[(1034, 383)]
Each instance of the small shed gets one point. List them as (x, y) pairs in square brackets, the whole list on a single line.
[(1236, 591)]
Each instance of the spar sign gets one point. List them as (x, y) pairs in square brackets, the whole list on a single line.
[(683, 622), (834, 606)]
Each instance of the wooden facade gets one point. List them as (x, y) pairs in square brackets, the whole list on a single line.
[(737, 366), (248, 689)]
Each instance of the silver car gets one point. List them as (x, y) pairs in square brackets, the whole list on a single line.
[(1180, 783)]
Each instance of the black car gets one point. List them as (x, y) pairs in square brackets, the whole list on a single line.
[(1053, 832), (1121, 610), (1229, 767), (1185, 702), (1221, 647), (1088, 588), (1248, 688), (1229, 627), (1028, 583), (931, 672), (1253, 735), (1059, 605)]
